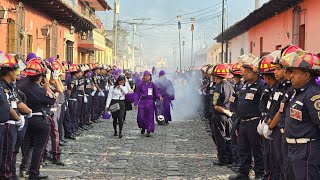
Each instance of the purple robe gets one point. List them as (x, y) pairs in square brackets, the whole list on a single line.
[(146, 105), (166, 90)]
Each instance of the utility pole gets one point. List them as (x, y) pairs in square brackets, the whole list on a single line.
[(183, 44), (192, 30), (179, 27), (222, 31), (115, 30), (134, 37)]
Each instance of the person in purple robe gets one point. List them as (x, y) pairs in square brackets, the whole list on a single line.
[(166, 90), (146, 95)]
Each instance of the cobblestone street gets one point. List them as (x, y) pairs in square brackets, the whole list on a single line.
[(182, 150)]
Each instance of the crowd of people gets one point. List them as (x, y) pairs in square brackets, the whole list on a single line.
[(264, 114), (44, 103)]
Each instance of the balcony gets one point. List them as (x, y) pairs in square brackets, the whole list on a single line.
[(95, 41), (66, 12), (71, 4)]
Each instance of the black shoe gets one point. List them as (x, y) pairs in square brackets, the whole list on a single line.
[(37, 176), (23, 173), (143, 131), (115, 134), (58, 163), (62, 144), (120, 135), (90, 123), (64, 141), (70, 137), (219, 163), (148, 134), (239, 176), (77, 133), (85, 128)]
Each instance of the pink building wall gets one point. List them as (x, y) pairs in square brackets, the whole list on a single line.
[(274, 32), (311, 18), (278, 30)]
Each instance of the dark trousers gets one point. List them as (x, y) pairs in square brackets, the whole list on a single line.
[(80, 112), (266, 157), (250, 145), (36, 139), (55, 151), (10, 139), (20, 139), (222, 130), (61, 120), (234, 137), (287, 167), (118, 115), (95, 107), (67, 123), (1, 140), (212, 129), (87, 107), (278, 167), (305, 160), (73, 105)]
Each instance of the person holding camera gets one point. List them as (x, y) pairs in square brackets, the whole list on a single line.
[(116, 103)]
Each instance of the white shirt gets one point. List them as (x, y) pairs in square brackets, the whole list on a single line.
[(118, 93)]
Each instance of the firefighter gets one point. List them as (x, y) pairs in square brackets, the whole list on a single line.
[(222, 115), (302, 129)]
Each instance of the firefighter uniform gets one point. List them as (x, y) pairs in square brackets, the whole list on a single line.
[(222, 121)]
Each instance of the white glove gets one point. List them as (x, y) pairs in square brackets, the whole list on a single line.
[(102, 94), (200, 92), (29, 115), (228, 113), (260, 128), (55, 75), (94, 92), (21, 123), (267, 131), (95, 89), (85, 99), (106, 88)]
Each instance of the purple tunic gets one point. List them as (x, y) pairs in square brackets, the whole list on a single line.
[(166, 90), (146, 108)]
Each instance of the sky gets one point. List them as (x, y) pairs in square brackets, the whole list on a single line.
[(159, 41)]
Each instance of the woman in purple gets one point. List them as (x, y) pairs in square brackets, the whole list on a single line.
[(147, 93)]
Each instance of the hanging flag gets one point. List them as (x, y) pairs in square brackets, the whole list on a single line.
[(192, 27), (179, 25)]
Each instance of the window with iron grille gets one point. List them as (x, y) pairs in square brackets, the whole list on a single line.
[(29, 43), (20, 29), (11, 36)]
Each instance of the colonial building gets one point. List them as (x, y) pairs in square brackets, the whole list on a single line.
[(274, 25), (50, 28)]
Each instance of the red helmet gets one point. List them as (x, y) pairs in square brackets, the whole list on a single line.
[(34, 68), (57, 66), (266, 66), (302, 60), (74, 68), (7, 60), (221, 70), (94, 66), (289, 49), (235, 69)]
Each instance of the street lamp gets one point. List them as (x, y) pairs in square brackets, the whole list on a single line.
[(84, 36), (72, 29), (45, 31), (3, 13)]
